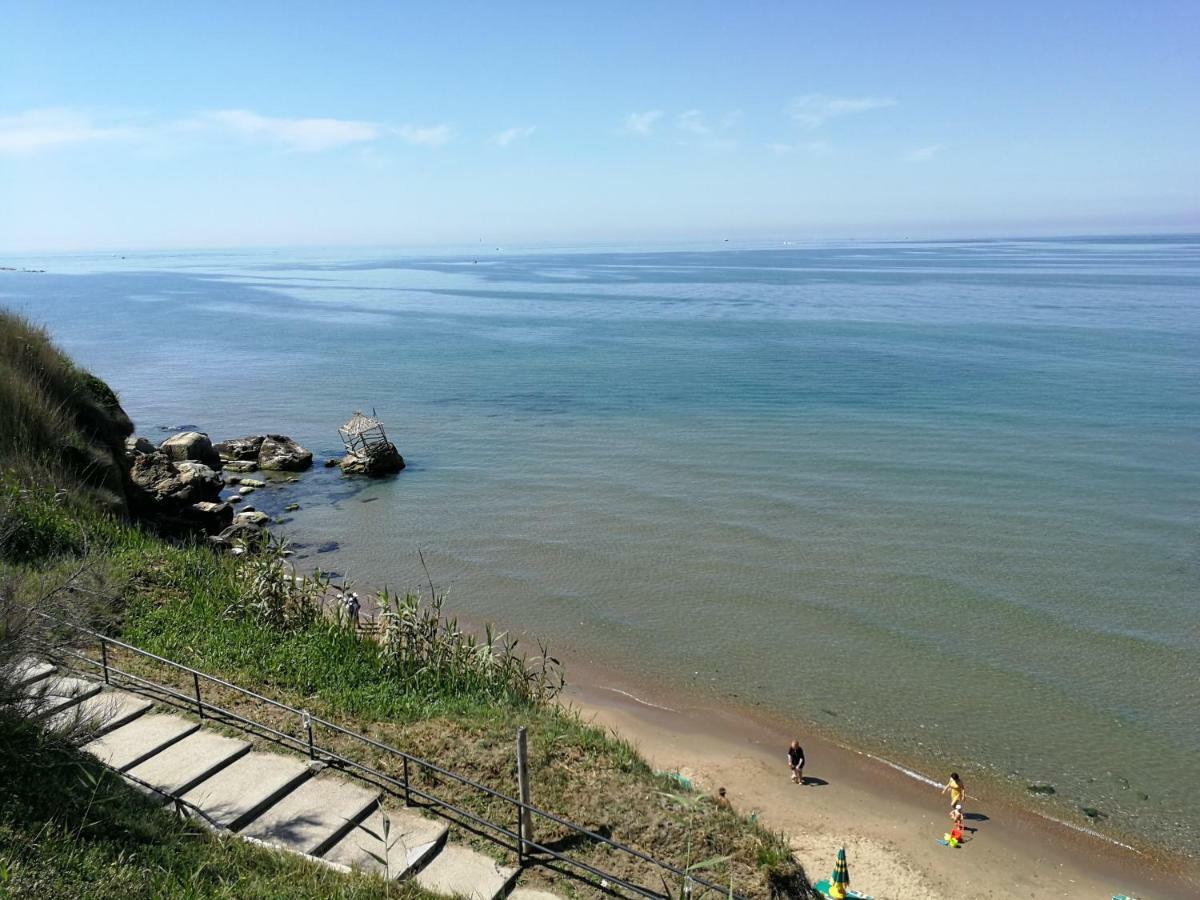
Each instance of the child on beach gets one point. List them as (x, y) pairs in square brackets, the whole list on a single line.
[(958, 791), (795, 758), (956, 824), (722, 800)]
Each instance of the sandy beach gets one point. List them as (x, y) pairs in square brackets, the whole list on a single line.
[(888, 821)]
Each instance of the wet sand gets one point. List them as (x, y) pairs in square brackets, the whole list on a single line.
[(888, 821)]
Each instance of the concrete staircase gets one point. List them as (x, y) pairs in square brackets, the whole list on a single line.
[(273, 799)]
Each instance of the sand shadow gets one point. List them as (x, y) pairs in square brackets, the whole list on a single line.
[(976, 817), (810, 781)]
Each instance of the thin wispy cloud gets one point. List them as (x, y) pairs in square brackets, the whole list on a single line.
[(812, 148), (923, 154), (508, 135), (301, 135), (693, 121), (642, 122), (814, 110), (44, 130), (424, 135), (38, 130)]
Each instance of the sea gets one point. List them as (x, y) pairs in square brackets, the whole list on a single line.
[(939, 499)]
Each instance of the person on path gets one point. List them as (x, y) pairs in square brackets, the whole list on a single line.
[(958, 791), (795, 758), (352, 606)]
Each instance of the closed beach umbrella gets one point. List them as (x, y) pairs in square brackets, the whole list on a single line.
[(841, 875)]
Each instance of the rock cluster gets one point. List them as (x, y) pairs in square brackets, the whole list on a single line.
[(172, 488), (273, 452), (177, 485)]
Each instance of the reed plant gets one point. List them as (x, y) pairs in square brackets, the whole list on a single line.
[(427, 651)]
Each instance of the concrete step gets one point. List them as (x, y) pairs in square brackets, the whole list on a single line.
[(524, 893), (56, 693), (314, 816), (28, 670), (247, 786), (99, 713), (411, 839), (186, 763), (125, 747), (461, 872)]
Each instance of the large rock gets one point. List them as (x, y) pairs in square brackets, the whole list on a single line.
[(155, 476), (243, 449), (382, 459), (200, 482), (160, 480), (243, 534), (280, 452), (251, 517), (191, 445), (208, 516)]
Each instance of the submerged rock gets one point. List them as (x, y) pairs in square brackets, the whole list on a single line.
[(191, 445), (241, 465)]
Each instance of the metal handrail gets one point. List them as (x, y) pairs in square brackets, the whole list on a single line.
[(492, 830)]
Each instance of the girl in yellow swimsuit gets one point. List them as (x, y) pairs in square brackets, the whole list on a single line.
[(958, 791)]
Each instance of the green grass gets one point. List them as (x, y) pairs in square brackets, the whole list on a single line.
[(59, 425)]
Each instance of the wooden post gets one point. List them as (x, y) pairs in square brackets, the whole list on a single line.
[(526, 817)]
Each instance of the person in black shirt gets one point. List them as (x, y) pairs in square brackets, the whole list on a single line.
[(795, 758)]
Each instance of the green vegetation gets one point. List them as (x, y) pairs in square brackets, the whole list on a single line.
[(59, 425), (422, 684)]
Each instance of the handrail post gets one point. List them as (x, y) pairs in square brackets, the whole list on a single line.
[(407, 792), (524, 816), (312, 749), (104, 658), (199, 702)]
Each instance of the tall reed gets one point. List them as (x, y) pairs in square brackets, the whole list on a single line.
[(428, 652)]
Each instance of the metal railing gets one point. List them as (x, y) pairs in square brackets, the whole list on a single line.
[(515, 839)]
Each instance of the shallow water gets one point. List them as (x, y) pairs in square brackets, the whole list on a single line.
[(942, 497)]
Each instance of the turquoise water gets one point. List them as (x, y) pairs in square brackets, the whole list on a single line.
[(939, 497)]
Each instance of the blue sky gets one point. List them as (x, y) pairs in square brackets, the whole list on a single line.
[(128, 125)]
